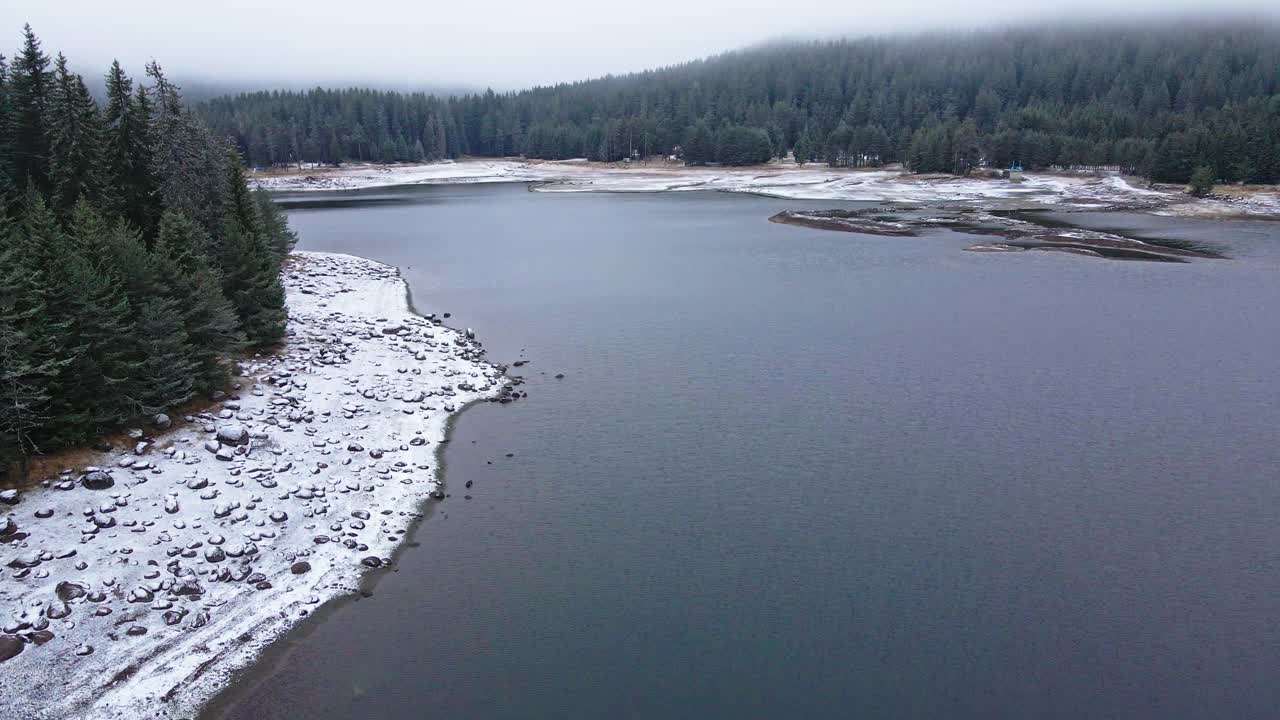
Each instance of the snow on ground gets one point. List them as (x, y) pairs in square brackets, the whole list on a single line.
[(142, 598), (1256, 203), (786, 180), (357, 176)]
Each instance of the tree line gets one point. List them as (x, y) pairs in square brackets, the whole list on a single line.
[(1153, 100), (134, 260)]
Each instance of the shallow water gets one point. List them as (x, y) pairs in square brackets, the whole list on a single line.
[(797, 473)]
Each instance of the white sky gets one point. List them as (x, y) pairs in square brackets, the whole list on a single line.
[(505, 44)]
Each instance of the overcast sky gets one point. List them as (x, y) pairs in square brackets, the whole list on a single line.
[(505, 44)]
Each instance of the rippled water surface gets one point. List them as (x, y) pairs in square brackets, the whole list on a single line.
[(807, 474)]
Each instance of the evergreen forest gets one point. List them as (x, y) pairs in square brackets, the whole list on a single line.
[(1155, 100), (134, 260)]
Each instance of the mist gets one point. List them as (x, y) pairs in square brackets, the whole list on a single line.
[(503, 44)]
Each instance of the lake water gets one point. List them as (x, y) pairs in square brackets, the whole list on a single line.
[(807, 474)]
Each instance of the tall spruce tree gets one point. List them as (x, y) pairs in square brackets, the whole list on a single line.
[(76, 164), (167, 367), (208, 318), (29, 88)]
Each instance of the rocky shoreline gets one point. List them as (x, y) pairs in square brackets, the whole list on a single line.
[(139, 584)]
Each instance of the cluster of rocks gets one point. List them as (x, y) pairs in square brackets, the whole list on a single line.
[(1019, 232), (275, 498)]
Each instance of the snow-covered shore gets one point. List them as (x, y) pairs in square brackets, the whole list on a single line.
[(786, 180), (141, 599)]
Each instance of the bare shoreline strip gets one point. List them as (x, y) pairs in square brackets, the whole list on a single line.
[(145, 598), (786, 180)]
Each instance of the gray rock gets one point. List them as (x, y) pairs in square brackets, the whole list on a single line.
[(10, 646), (161, 421), (300, 567), (188, 587), (7, 527), (233, 434), (97, 480), (225, 453), (9, 497), (68, 591)]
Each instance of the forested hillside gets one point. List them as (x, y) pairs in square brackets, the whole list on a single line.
[(133, 258), (1157, 101)]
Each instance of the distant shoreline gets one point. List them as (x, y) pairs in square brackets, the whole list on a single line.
[(785, 180)]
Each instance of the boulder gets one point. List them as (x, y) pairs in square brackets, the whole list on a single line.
[(161, 421), (9, 497), (68, 591), (97, 480), (233, 434), (10, 646)]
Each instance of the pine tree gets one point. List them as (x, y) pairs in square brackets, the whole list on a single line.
[(52, 268), (698, 148), (275, 225), (251, 281), (29, 87), (166, 370), (128, 153), (75, 142), (1202, 180), (6, 144), (208, 318), (27, 360)]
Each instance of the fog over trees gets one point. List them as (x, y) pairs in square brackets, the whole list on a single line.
[(1158, 101)]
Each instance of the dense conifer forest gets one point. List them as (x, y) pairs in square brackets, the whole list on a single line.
[(134, 260), (1157, 101)]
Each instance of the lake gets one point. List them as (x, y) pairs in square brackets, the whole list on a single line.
[(809, 474)]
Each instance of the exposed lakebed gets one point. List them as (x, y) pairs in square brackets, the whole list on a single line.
[(794, 473), (1017, 230)]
